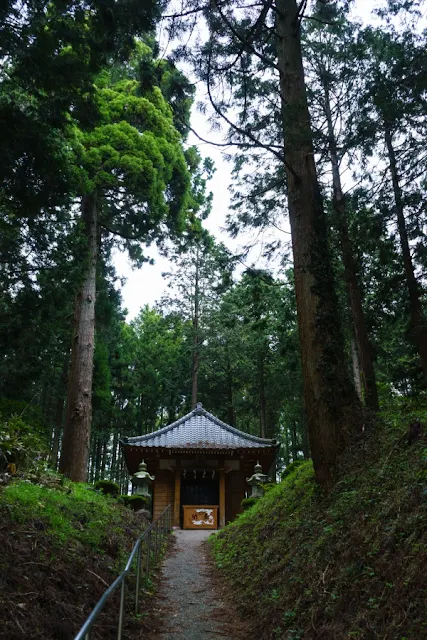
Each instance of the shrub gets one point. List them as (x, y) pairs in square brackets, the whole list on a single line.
[(293, 466), (21, 444), (135, 502), (247, 503), (107, 487)]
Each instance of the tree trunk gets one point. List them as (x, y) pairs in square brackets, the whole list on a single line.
[(171, 411), (356, 368), (230, 399), (122, 475), (350, 269), (114, 456), (294, 440), (286, 452), (57, 431), (262, 400), (417, 316), (97, 459), (76, 441), (332, 407), (91, 467), (305, 446), (59, 413), (196, 355), (103, 458), (114, 453)]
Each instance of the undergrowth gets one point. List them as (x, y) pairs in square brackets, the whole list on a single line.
[(73, 514), (60, 547), (347, 565)]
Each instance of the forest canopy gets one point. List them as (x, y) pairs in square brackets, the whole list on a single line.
[(323, 119)]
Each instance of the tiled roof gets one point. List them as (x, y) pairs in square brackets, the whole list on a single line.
[(199, 430)]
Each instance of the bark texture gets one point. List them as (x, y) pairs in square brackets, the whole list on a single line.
[(76, 440), (356, 368), (417, 316), (331, 403)]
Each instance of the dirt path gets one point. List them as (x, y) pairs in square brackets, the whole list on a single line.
[(188, 605)]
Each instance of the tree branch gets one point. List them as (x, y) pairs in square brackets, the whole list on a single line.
[(120, 234), (246, 42), (245, 145), (243, 132)]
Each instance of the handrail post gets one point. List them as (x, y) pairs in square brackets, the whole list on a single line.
[(158, 529), (147, 559), (138, 575), (121, 610), (155, 542)]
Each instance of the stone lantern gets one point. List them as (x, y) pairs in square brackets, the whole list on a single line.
[(141, 480), (256, 481)]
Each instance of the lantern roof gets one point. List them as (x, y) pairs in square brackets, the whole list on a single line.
[(199, 429)]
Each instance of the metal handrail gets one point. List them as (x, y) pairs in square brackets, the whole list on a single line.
[(162, 524)]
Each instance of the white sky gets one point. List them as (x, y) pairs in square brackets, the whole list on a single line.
[(146, 285)]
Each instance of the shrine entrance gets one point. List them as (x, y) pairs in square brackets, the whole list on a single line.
[(199, 499), (197, 488)]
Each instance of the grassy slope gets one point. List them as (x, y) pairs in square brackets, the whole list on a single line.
[(59, 549), (349, 565)]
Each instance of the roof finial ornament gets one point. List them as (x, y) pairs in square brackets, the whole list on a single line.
[(199, 408)]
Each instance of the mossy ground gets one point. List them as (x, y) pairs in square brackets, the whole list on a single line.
[(59, 549), (352, 564)]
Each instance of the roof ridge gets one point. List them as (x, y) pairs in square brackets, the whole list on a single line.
[(236, 431), (198, 411), (162, 430)]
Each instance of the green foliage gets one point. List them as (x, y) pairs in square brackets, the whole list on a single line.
[(342, 563), (107, 487), (247, 503), (51, 57), (252, 338), (21, 444), (135, 502), (291, 468), (70, 542), (77, 515), (29, 412), (134, 150)]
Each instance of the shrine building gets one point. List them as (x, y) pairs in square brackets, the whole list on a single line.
[(200, 465)]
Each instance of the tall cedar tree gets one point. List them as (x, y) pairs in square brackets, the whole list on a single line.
[(334, 90), (134, 185), (330, 399), (240, 40), (388, 114)]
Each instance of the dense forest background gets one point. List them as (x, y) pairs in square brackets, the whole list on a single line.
[(94, 158)]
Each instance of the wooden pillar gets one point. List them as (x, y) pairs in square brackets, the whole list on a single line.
[(177, 499), (221, 498)]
